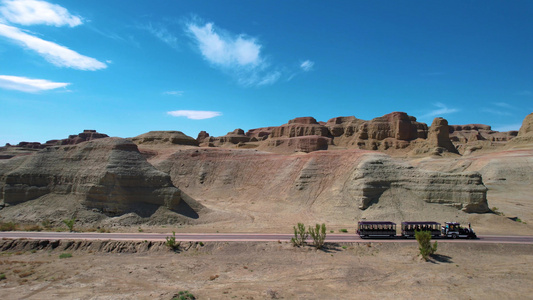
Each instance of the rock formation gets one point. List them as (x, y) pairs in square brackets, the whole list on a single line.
[(325, 181), (109, 175), (439, 135), (86, 135), (165, 137), (524, 137), (375, 175)]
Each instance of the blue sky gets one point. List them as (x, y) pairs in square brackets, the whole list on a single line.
[(128, 67)]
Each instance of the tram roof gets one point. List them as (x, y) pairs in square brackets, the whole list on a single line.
[(420, 223), (377, 223)]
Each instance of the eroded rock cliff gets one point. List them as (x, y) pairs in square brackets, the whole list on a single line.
[(109, 175)]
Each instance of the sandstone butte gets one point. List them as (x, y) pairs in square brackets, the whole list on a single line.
[(344, 168)]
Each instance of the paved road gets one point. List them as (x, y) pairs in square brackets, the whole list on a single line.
[(238, 237)]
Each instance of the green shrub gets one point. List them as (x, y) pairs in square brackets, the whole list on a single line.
[(184, 295), (300, 235), (47, 224), (318, 234), (424, 244), (2, 276), (65, 255), (171, 242), (9, 226), (70, 224), (343, 230), (497, 211)]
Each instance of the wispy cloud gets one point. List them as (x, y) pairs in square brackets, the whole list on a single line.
[(525, 93), (162, 34), (503, 104), (174, 93), (195, 114), (497, 112), (30, 85), (34, 12), (236, 54), (307, 65), (441, 110), (507, 127), (58, 55)]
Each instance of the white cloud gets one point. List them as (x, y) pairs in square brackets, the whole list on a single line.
[(442, 109), (307, 65), (33, 12), (174, 93), (54, 53), (25, 84), (238, 55), (163, 34), (195, 114), (225, 50)]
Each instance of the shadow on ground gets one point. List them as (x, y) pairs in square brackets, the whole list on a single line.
[(439, 258)]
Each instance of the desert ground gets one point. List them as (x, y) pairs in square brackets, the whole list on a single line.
[(225, 270)]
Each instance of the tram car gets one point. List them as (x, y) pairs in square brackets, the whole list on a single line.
[(409, 228), (376, 229)]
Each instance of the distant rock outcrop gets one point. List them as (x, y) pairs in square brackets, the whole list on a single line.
[(165, 137), (304, 126), (439, 135), (525, 134), (109, 175), (86, 135)]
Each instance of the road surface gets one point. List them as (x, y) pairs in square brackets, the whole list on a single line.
[(237, 237)]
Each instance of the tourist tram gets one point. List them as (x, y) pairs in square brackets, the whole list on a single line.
[(409, 228), (387, 229)]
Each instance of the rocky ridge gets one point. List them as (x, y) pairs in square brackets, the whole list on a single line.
[(396, 132)]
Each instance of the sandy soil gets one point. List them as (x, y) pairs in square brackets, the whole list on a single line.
[(275, 271)]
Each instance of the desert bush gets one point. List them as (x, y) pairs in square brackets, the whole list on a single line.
[(9, 226), (300, 235), (65, 255), (318, 234), (33, 228), (497, 211), (171, 242), (184, 295), (2, 276), (70, 224), (47, 224), (343, 230), (424, 244)]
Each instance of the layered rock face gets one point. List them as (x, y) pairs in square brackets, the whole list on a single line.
[(165, 137), (394, 130), (108, 174), (326, 181), (375, 175)]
